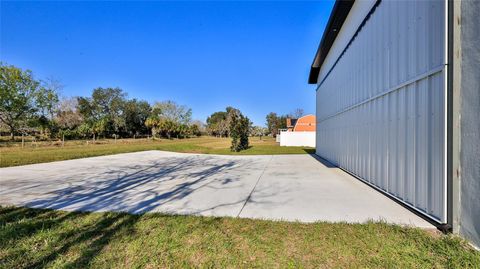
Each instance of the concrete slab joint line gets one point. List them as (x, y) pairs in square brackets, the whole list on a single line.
[(253, 189)]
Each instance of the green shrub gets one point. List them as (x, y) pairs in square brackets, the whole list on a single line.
[(239, 129)]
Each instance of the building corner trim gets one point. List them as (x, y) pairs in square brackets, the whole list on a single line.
[(454, 115)]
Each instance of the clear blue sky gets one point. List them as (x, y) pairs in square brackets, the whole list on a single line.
[(207, 55)]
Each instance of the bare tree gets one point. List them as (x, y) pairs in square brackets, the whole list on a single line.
[(68, 115), (202, 128), (51, 88), (172, 111), (297, 113)]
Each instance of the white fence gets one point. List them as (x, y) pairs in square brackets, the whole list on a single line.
[(297, 139)]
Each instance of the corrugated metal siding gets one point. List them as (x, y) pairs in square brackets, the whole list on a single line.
[(381, 111)]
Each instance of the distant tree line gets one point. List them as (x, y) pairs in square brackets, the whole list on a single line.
[(34, 107), (31, 106)]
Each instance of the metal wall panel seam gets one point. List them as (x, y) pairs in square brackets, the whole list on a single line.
[(434, 71), (445, 109)]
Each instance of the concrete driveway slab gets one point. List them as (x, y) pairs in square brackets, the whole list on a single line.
[(136, 182), (306, 189), (288, 187)]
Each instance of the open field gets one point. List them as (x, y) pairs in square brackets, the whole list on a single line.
[(12, 154), (37, 238)]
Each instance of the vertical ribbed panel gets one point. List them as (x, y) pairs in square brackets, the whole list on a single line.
[(380, 111)]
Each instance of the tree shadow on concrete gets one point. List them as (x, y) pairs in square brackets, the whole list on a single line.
[(145, 187), (151, 186)]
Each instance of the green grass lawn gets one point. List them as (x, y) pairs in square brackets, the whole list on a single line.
[(38, 238), (12, 154)]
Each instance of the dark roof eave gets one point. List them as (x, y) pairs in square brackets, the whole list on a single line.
[(337, 18)]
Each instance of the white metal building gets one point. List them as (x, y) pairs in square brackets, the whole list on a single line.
[(388, 96)]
